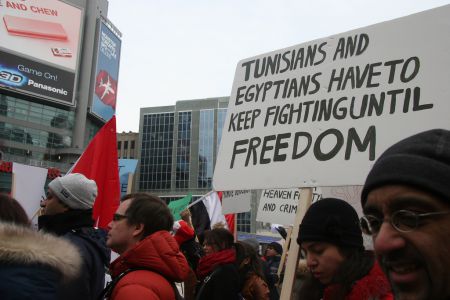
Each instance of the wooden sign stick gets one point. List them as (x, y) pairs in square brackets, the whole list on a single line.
[(294, 250)]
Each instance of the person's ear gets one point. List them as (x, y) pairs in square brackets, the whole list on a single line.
[(138, 229), (244, 262)]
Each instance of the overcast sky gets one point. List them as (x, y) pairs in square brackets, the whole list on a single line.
[(179, 50)]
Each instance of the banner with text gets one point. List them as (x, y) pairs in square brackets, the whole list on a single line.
[(40, 47), (320, 113), (106, 73), (279, 206), (236, 201)]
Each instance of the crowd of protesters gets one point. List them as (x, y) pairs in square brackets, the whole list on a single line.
[(405, 202)]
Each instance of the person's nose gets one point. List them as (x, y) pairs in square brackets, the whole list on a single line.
[(387, 239), (43, 202), (311, 261)]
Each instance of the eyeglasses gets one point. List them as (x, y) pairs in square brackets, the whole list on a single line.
[(401, 220), (118, 217)]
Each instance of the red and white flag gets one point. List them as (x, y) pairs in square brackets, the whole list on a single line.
[(99, 162), (207, 212), (230, 218)]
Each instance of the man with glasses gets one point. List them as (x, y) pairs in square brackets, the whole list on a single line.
[(150, 260), (406, 203), (67, 212)]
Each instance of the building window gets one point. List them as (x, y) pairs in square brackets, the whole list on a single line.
[(39, 138), (125, 145), (36, 113), (206, 148), (183, 150), (156, 152), (221, 115), (243, 222), (119, 145), (132, 144)]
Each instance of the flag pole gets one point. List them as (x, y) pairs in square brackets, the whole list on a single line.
[(198, 200)]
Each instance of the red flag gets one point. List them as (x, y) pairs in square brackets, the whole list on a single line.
[(99, 162), (231, 222), (230, 219)]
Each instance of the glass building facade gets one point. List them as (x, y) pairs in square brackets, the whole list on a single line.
[(49, 132), (32, 129), (206, 148), (221, 115), (156, 152), (183, 158), (187, 150), (173, 169)]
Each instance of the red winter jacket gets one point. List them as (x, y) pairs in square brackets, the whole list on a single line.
[(160, 252), (372, 286)]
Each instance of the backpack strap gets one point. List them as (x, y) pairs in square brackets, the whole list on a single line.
[(205, 281), (107, 291)]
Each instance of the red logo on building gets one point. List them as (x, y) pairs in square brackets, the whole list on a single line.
[(106, 88)]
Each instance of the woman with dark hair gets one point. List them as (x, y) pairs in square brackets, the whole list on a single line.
[(217, 273), (331, 241), (251, 277), (11, 211)]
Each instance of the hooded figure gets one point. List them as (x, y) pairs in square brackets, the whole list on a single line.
[(33, 264)]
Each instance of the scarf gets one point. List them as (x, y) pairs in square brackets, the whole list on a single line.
[(372, 286), (208, 263), (62, 223)]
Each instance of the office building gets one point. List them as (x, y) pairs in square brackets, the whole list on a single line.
[(127, 145), (178, 148), (54, 93)]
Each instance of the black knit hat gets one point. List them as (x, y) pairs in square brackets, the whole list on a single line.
[(333, 221), (421, 161)]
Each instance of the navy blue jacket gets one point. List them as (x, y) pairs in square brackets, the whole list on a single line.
[(34, 265), (77, 227)]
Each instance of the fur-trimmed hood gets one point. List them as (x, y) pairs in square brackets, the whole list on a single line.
[(23, 246)]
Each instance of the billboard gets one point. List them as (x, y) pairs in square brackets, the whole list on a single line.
[(39, 48), (320, 113), (106, 73)]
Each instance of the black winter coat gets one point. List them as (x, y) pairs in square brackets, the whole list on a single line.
[(221, 284), (271, 273), (77, 227)]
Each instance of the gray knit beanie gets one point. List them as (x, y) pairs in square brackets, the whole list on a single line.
[(74, 190), (252, 242), (421, 161)]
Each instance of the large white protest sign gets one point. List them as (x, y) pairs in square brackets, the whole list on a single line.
[(236, 201), (28, 187), (351, 194), (280, 205), (320, 113)]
